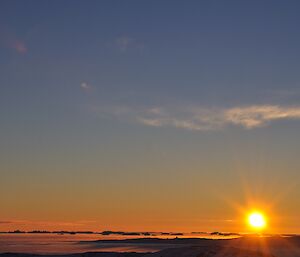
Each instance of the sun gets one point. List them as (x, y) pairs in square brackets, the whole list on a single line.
[(256, 220)]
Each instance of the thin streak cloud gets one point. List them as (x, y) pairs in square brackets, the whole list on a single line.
[(47, 223), (258, 116), (205, 119), (5, 222)]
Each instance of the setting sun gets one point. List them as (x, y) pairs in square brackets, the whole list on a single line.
[(257, 220)]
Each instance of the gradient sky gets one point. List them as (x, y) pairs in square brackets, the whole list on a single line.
[(149, 115)]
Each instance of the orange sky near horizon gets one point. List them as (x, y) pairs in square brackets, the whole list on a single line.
[(224, 217)]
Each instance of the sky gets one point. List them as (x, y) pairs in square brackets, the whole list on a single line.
[(149, 115)]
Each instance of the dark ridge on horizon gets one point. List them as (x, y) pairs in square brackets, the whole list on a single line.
[(121, 233), (194, 240), (155, 240)]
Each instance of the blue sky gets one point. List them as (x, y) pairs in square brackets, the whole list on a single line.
[(164, 94)]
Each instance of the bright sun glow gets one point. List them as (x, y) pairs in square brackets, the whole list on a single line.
[(257, 220)]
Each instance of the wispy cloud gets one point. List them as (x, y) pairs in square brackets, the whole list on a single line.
[(10, 40), (19, 46), (204, 119), (47, 223), (85, 86), (5, 222), (186, 118), (125, 43), (257, 116)]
